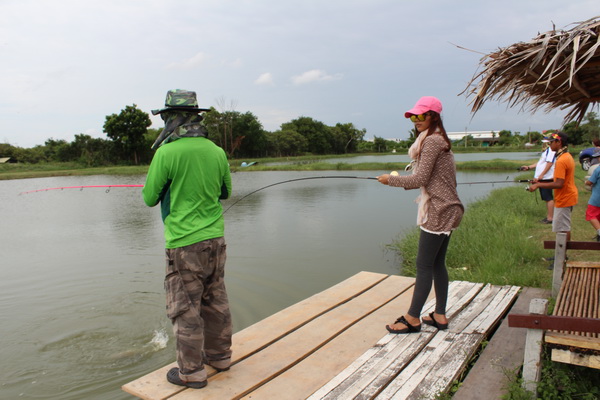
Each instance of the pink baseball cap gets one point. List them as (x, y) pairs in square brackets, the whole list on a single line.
[(425, 103)]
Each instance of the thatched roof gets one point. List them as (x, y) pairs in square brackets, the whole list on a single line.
[(556, 69)]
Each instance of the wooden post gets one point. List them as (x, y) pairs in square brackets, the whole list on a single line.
[(533, 348), (560, 255)]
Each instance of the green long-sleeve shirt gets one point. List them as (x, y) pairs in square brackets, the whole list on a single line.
[(188, 177)]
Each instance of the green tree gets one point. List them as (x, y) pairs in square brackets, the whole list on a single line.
[(346, 137), (286, 143), (57, 151), (379, 144), (534, 137), (505, 138), (7, 150), (591, 129), (240, 135), (92, 152), (319, 136), (127, 130), (574, 133)]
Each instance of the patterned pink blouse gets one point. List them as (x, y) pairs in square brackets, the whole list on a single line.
[(436, 172)]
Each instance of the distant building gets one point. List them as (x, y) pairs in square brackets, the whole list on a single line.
[(4, 160), (486, 138)]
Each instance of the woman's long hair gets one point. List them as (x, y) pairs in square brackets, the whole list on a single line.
[(437, 125)]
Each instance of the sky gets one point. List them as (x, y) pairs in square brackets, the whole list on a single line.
[(67, 64)]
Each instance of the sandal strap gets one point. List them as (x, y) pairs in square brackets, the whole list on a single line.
[(411, 328)]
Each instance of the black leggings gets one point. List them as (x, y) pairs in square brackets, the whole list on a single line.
[(431, 267)]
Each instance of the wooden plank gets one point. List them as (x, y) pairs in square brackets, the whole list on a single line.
[(443, 357), (460, 296), (494, 311), (551, 322), (560, 254), (583, 360), (447, 366), (573, 245), (323, 366), (474, 308), (155, 386), (504, 352), (414, 372), (583, 264), (532, 365), (263, 366), (378, 365), (567, 339)]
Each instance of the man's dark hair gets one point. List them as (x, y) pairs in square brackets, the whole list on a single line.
[(564, 139)]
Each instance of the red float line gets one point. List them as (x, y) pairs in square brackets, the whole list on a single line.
[(80, 187)]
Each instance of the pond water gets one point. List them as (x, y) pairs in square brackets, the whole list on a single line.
[(404, 158), (81, 294)]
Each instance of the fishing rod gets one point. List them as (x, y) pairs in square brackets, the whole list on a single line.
[(493, 182)]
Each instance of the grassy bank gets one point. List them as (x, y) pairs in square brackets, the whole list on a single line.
[(25, 171)]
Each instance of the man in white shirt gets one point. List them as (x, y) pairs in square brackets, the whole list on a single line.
[(544, 172)]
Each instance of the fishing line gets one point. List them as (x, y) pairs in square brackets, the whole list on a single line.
[(295, 180), (108, 187)]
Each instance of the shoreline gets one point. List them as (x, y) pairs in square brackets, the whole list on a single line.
[(18, 171)]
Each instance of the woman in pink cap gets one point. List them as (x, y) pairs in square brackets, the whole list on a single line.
[(439, 213)]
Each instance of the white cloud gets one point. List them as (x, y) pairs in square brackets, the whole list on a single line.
[(190, 63), (265, 79), (314, 75), (237, 63)]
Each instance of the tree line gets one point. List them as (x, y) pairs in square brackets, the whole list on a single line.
[(241, 135)]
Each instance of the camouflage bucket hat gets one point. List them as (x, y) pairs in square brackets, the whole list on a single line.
[(181, 100)]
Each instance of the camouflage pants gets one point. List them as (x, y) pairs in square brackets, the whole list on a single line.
[(197, 305)]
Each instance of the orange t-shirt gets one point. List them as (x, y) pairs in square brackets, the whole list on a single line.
[(568, 195)]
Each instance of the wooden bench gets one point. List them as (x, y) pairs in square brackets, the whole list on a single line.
[(335, 341), (572, 332)]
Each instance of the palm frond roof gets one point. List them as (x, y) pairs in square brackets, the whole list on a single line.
[(559, 69)]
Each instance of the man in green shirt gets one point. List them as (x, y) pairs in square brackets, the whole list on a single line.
[(188, 175)]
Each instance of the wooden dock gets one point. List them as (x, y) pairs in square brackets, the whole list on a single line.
[(334, 345)]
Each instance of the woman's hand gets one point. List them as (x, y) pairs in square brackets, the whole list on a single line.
[(385, 178)]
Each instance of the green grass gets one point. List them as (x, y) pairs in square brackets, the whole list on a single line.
[(493, 244), (558, 382), (25, 171)]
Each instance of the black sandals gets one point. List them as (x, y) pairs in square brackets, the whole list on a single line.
[(409, 328)]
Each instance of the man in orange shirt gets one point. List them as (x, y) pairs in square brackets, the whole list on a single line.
[(565, 191)]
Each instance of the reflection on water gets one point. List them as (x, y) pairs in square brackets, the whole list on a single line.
[(81, 294)]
